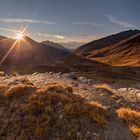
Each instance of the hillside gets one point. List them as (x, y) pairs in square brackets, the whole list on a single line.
[(104, 42), (28, 53), (65, 106), (121, 49), (55, 45), (3, 37), (124, 53)]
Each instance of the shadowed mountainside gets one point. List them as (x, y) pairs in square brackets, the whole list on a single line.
[(28, 52), (124, 53), (55, 45), (103, 42), (120, 49)]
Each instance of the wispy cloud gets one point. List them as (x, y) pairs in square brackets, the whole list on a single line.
[(89, 23), (55, 36), (12, 32), (61, 38), (8, 30), (21, 20), (120, 22), (84, 38)]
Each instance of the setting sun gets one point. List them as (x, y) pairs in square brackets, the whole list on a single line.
[(19, 36)]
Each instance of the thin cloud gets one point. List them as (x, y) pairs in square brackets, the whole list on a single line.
[(9, 30), (60, 37), (89, 23), (86, 38), (21, 20), (120, 22), (13, 31)]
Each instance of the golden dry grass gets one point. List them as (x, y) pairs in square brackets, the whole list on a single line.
[(25, 80), (56, 87), (135, 131), (132, 118), (45, 103), (39, 110), (3, 88), (93, 110), (18, 91), (103, 86)]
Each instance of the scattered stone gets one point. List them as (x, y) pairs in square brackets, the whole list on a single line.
[(71, 75), (50, 73), (138, 95), (123, 89), (2, 73), (60, 116), (84, 79), (35, 73)]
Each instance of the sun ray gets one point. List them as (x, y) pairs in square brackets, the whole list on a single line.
[(5, 56), (21, 35)]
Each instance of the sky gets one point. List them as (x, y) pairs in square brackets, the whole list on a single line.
[(68, 20)]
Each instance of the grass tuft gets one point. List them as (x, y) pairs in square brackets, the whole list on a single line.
[(3, 88), (56, 87), (132, 118), (104, 86), (135, 131), (93, 110), (18, 91)]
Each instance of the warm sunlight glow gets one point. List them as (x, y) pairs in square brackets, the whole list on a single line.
[(19, 36)]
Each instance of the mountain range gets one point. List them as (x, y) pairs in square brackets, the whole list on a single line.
[(27, 53), (121, 49)]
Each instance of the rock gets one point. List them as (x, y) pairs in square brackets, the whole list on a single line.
[(123, 89), (71, 75), (138, 95), (35, 73), (2, 73), (60, 116), (50, 73), (84, 80), (74, 84)]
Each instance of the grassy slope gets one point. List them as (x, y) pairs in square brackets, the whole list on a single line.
[(55, 111)]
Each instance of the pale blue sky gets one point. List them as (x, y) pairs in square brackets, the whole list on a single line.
[(68, 20)]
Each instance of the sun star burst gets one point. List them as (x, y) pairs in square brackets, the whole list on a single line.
[(19, 36)]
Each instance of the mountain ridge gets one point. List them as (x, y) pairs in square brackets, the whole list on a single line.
[(105, 41), (121, 49), (56, 45), (29, 52)]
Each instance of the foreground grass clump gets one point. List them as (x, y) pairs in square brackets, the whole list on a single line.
[(51, 112), (25, 80), (105, 87), (132, 118), (93, 110), (3, 88), (19, 90), (58, 99)]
